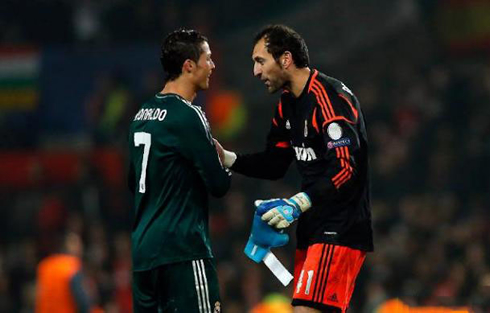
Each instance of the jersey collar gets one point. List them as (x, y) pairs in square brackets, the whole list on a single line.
[(164, 95), (306, 87)]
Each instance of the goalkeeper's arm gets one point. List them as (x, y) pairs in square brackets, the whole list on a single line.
[(272, 163)]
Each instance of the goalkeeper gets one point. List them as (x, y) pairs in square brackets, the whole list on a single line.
[(319, 123)]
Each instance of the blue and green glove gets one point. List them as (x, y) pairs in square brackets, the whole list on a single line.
[(280, 213), (262, 239)]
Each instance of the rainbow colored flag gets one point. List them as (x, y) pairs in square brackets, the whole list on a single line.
[(20, 69)]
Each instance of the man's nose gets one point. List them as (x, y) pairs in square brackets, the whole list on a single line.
[(257, 70)]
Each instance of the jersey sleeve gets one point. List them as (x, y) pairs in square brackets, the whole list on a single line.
[(82, 300), (197, 145), (274, 161), (337, 122)]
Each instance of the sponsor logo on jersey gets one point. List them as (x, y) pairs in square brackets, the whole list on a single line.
[(338, 143), (150, 115), (331, 235), (305, 154), (334, 131)]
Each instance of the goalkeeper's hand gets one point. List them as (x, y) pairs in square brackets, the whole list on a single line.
[(226, 157), (280, 213)]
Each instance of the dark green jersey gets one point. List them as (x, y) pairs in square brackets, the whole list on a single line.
[(173, 167)]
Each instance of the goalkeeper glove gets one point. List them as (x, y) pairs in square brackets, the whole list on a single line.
[(262, 239), (280, 213)]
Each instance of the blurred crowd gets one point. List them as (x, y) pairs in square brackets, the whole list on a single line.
[(428, 125), (429, 131), (104, 22)]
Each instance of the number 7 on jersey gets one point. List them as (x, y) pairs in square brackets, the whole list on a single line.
[(142, 138)]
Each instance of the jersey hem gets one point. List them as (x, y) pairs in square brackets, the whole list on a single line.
[(172, 261), (361, 247)]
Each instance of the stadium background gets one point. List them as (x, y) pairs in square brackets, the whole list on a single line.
[(72, 73)]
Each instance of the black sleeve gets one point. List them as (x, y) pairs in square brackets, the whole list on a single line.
[(341, 138), (81, 299), (274, 161)]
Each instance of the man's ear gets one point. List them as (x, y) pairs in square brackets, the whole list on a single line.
[(286, 59), (188, 66)]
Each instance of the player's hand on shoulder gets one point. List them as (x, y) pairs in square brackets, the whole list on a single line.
[(220, 150), (226, 157)]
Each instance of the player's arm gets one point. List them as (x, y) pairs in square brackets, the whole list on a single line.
[(82, 300), (342, 142), (273, 162), (198, 146), (341, 169)]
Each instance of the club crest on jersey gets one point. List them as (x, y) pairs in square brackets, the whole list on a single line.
[(305, 154), (338, 143), (217, 307), (288, 125), (334, 131)]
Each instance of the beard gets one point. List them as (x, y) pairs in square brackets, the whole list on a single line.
[(276, 85), (280, 80)]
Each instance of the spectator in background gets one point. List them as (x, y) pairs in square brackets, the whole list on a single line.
[(60, 286), (87, 20)]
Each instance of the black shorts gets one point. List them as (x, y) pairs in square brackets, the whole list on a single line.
[(190, 286)]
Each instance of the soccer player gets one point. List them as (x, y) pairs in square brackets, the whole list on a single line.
[(318, 122), (174, 165)]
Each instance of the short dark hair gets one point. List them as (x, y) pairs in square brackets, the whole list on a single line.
[(279, 39), (178, 46)]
